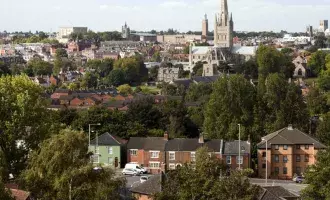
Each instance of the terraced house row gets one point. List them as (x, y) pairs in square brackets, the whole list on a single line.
[(288, 152)]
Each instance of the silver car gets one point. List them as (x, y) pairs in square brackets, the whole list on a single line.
[(130, 172)]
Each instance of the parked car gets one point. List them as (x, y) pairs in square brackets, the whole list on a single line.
[(144, 179), (300, 179), (130, 172), (137, 167)]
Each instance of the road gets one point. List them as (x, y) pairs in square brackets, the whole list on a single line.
[(289, 185), (293, 187)]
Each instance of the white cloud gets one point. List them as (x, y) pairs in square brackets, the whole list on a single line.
[(104, 7)]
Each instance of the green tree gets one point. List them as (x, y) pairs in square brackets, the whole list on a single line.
[(279, 103), (317, 62), (90, 80), (116, 77), (323, 129), (134, 69), (23, 117), (317, 178), (316, 102), (40, 67), (143, 111), (199, 92), (198, 69), (69, 174), (125, 89), (4, 192), (59, 63), (231, 103), (156, 57), (73, 86), (209, 176), (4, 69)]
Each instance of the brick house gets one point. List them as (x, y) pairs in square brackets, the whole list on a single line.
[(148, 189), (183, 150), (54, 80), (60, 92), (289, 152), (77, 101), (148, 152)]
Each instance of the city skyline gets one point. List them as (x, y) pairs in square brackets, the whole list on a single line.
[(108, 15)]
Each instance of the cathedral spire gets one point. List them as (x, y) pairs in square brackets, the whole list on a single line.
[(224, 7)]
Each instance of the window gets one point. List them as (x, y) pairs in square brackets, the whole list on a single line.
[(171, 155), (193, 157), (264, 154), (285, 147), (172, 166), (277, 158), (95, 158), (110, 161), (298, 146), (97, 150), (277, 170), (154, 154), (298, 170), (110, 150), (228, 160), (298, 158), (285, 159), (285, 170), (306, 158), (263, 166), (239, 160), (133, 152), (154, 165), (306, 146)]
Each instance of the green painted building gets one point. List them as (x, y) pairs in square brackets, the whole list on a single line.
[(108, 150)]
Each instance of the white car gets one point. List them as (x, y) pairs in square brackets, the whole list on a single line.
[(130, 172), (136, 167), (143, 179)]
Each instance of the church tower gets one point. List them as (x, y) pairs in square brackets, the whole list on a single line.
[(224, 27), (205, 28)]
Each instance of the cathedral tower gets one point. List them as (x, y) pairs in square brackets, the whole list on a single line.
[(224, 27), (205, 28)]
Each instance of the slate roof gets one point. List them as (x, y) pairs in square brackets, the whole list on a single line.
[(275, 193), (290, 136), (107, 139), (185, 82), (151, 186), (149, 143), (232, 148), (200, 50), (206, 79), (185, 144), (244, 50)]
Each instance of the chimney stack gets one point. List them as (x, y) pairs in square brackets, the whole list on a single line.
[(165, 135), (290, 127), (201, 138)]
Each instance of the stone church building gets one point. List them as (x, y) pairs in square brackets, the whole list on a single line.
[(223, 50)]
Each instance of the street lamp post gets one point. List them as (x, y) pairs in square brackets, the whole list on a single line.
[(89, 132), (266, 161), (239, 146)]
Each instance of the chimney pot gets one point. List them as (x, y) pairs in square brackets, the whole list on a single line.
[(201, 138), (290, 127), (166, 135)]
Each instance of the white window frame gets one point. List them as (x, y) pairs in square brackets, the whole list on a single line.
[(193, 156), (171, 166), (97, 150), (239, 160), (169, 155), (154, 154), (228, 163), (153, 163), (96, 156), (110, 150), (133, 152)]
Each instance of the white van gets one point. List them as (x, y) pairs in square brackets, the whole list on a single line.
[(136, 167)]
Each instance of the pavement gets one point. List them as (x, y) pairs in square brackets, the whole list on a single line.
[(293, 187), (133, 181)]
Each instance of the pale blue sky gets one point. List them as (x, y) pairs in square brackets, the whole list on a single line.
[(144, 15)]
